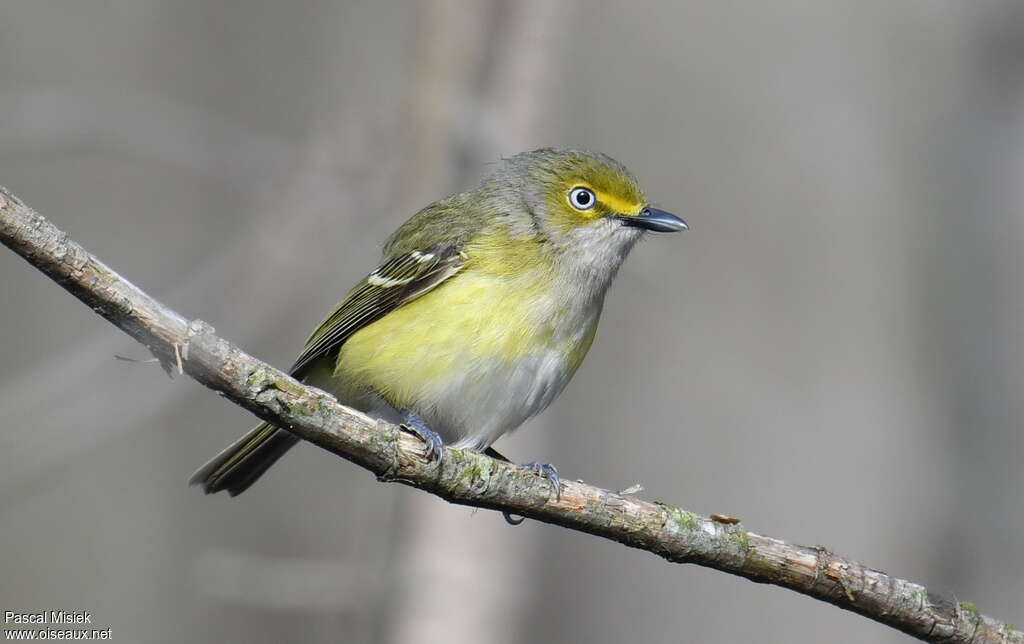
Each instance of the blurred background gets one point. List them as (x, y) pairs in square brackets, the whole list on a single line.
[(837, 357)]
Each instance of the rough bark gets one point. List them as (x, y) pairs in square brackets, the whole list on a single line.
[(476, 480)]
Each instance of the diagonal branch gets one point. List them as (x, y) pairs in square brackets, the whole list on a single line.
[(473, 479)]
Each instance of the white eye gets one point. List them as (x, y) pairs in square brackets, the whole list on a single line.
[(582, 198)]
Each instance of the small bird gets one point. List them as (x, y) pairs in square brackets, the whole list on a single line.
[(480, 313)]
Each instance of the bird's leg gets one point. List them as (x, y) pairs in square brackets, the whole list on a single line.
[(547, 470), (416, 425)]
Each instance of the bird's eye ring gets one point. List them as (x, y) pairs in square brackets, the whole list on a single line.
[(582, 198)]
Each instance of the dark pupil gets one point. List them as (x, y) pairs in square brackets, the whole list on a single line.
[(582, 198)]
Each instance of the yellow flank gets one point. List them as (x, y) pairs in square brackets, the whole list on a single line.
[(491, 310), (578, 352)]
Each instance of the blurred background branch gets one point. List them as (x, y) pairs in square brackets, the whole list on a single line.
[(474, 479)]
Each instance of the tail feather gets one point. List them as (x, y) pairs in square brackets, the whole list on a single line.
[(244, 461)]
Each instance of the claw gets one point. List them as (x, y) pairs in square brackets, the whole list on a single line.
[(511, 519), (435, 446), (548, 471)]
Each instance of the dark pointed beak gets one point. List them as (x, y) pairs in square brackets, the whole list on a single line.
[(653, 219)]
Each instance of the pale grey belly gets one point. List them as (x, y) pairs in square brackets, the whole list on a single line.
[(493, 397), (488, 398), (477, 406)]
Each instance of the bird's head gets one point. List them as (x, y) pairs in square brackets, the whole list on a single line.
[(569, 189), (586, 204)]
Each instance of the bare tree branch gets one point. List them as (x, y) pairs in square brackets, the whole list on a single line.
[(473, 479)]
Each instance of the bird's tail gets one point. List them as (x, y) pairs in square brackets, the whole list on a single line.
[(245, 460)]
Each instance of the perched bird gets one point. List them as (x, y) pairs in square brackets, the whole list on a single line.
[(483, 308)]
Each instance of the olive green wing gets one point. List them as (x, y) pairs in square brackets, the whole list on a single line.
[(398, 280)]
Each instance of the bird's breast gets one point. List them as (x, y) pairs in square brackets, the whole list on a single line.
[(476, 356)]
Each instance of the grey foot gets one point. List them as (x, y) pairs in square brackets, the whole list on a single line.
[(435, 446), (547, 470)]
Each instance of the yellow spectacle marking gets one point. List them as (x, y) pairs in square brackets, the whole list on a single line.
[(621, 206)]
